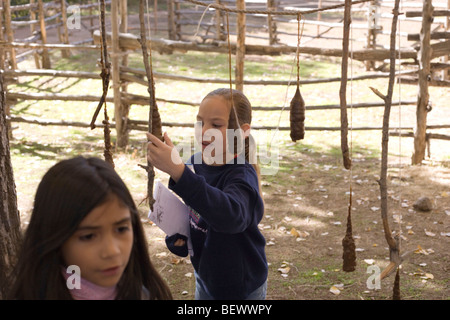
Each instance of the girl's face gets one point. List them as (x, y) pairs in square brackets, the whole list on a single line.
[(101, 246), (214, 113)]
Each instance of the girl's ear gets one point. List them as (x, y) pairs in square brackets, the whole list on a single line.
[(246, 128)]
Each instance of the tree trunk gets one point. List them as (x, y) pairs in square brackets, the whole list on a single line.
[(424, 56), (9, 216)]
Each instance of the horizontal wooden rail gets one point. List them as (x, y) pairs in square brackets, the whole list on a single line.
[(141, 125)]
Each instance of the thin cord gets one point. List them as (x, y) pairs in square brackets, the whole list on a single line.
[(229, 72), (201, 19), (148, 21), (351, 109), (296, 59), (399, 125)]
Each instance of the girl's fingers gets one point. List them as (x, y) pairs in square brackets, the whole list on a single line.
[(153, 139), (168, 140)]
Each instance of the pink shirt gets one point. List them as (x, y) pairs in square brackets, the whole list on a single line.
[(91, 291)]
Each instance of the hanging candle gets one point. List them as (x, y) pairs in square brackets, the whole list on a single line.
[(297, 116)]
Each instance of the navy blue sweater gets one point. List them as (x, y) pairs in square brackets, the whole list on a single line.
[(226, 209)]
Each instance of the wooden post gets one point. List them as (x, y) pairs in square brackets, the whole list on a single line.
[(319, 17), (220, 36), (155, 15), (91, 22), (37, 62), (120, 118), (124, 29), (65, 36), (343, 88), (171, 19), (446, 72), (9, 32), (2, 38), (177, 7), (424, 56), (240, 46), (372, 24), (45, 56), (271, 23)]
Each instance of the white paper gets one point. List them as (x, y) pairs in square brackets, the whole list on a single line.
[(169, 213)]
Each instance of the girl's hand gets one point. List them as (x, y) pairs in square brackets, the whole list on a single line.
[(164, 156)]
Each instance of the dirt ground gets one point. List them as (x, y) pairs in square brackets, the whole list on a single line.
[(304, 224)]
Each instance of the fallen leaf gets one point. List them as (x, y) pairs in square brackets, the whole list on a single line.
[(369, 261), (335, 290), (428, 276), (420, 250), (430, 234), (284, 270), (374, 208), (188, 275), (426, 252), (295, 233)]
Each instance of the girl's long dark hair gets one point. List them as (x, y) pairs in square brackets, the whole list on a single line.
[(66, 194)]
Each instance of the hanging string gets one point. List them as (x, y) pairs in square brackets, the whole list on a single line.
[(396, 289), (299, 36), (229, 72), (297, 106), (201, 19), (400, 114)]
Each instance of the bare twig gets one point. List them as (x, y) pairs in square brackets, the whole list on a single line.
[(154, 120)]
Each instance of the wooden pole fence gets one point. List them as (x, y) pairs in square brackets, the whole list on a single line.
[(140, 125)]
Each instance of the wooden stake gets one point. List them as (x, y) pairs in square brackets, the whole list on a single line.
[(343, 88), (9, 32), (423, 96), (66, 52), (394, 245), (46, 64), (154, 119)]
